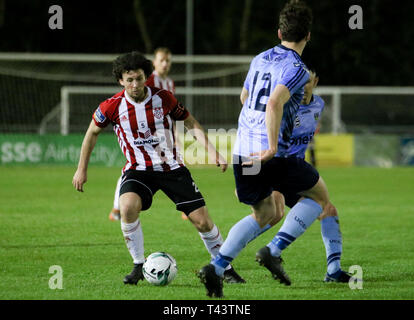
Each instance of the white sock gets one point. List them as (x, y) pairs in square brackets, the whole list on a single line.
[(134, 240), (213, 240)]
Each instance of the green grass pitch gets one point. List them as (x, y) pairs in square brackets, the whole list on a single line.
[(45, 222)]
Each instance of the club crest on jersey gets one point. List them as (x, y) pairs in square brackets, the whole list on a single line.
[(99, 116), (316, 116), (297, 122), (158, 112)]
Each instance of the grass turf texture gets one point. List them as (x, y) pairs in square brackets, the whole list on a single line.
[(45, 222)]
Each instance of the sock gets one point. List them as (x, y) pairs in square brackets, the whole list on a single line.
[(300, 217), (239, 236), (264, 229), (332, 239), (134, 240), (213, 240)]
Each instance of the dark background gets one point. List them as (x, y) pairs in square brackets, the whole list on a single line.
[(380, 54)]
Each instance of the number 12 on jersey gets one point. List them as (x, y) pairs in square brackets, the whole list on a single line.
[(263, 92)]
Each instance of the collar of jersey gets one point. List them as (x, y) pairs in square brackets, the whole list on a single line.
[(131, 101), (281, 46)]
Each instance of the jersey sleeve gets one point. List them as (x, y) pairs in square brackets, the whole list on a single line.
[(100, 116), (176, 110), (294, 77), (103, 114)]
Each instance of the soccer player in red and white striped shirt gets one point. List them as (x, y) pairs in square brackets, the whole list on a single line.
[(162, 65), (142, 119), (159, 79)]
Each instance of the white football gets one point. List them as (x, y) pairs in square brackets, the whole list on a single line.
[(160, 268)]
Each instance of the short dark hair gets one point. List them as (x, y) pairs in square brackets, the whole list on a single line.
[(162, 49), (131, 61), (295, 21)]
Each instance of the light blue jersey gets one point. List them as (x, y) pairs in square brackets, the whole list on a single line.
[(306, 123), (278, 65)]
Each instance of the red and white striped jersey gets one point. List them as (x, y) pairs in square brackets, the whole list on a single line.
[(145, 130), (154, 80)]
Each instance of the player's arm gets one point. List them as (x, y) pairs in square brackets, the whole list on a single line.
[(273, 117), (243, 95), (199, 134), (88, 144)]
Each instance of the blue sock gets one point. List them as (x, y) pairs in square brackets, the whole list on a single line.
[(239, 236), (332, 239), (263, 230), (299, 218)]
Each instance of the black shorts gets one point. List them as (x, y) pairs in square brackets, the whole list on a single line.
[(291, 199), (287, 175), (177, 184)]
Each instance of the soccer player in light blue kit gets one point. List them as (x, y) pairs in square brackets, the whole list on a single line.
[(306, 123), (271, 96)]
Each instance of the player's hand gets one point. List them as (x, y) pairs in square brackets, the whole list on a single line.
[(259, 157), (79, 180), (221, 162)]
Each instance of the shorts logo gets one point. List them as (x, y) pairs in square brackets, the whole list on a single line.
[(158, 112), (99, 117)]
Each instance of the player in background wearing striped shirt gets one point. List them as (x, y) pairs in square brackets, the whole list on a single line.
[(162, 65), (159, 78), (142, 118)]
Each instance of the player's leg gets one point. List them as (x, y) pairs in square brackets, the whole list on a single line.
[(130, 205), (251, 190), (212, 239), (115, 213), (331, 236), (332, 239), (135, 196), (238, 237), (300, 217), (280, 210), (180, 187), (300, 175)]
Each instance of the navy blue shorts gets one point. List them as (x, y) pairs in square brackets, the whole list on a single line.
[(177, 184), (291, 199), (287, 175)]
